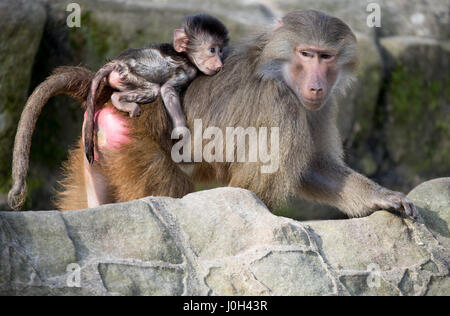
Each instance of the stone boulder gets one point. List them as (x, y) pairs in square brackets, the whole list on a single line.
[(417, 109), (433, 200), (225, 242)]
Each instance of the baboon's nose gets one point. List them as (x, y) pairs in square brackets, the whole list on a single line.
[(316, 92)]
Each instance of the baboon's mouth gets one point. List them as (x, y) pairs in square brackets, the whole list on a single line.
[(211, 71), (312, 105)]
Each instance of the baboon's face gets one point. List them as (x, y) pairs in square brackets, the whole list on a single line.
[(312, 74), (208, 58)]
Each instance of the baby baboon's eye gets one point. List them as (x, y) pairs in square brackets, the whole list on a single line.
[(212, 50)]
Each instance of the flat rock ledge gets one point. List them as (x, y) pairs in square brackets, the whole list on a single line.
[(225, 242)]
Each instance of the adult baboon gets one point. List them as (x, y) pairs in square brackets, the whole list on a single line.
[(285, 78)]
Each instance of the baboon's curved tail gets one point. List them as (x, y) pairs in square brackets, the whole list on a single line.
[(74, 81)]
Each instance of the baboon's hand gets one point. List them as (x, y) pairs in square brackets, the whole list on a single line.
[(395, 201)]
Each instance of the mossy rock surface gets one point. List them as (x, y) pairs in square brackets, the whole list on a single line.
[(417, 132)]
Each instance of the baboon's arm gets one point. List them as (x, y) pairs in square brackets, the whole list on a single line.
[(333, 183)]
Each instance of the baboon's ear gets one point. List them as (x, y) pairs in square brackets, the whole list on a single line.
[(278, 23), (180, 40)]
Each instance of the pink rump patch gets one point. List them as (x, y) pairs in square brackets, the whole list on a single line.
[(111, 128)]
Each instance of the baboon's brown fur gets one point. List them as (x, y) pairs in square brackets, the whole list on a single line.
[(311, 155)]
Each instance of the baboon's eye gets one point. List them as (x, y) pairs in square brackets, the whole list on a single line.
[(326, 56), (306, 53), (212, 50)]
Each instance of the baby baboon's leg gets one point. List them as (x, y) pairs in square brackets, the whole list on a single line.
[(131, 108), (133, 90), (141, 95), (127, 101)]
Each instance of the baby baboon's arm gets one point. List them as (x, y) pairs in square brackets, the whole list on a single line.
[(171, 97)]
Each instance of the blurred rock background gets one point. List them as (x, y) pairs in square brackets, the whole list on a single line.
[(395, 122)]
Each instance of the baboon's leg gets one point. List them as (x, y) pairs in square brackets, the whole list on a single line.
[(132, 108), (72, 194), (247, 176), (97, 192), (83, 185)]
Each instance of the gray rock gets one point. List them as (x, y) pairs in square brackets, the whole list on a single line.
[(422, 18), (417, 109), (433, 200), (222, 242)]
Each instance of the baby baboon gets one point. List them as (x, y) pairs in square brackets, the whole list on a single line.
[(140, 74)]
